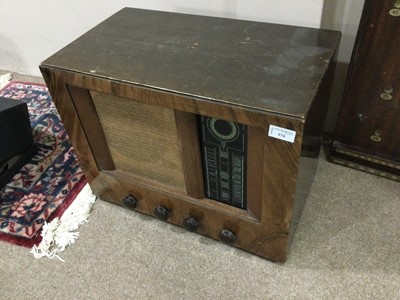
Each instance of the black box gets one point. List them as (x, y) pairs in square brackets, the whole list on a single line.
[(16, 141)]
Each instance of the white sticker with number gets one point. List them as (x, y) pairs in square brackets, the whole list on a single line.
[(282, 133)]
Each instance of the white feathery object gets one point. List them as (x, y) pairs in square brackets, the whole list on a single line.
[(5, 79), (61, 232)]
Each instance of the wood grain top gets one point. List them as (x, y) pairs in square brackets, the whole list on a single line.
[(267, 67)]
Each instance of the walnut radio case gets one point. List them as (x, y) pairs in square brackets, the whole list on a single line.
[(208, 123)]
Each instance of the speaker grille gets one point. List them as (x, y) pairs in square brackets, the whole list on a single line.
[(142, 138)]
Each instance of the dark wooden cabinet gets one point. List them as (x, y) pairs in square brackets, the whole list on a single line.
[(367, 135), (132, 91)]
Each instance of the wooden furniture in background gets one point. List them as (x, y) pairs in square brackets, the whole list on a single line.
[(130, 93), (367, 134)]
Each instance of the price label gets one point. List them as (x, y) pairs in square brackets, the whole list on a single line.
[(282, 133)]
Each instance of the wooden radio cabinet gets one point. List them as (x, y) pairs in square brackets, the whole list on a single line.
[(208, 123)]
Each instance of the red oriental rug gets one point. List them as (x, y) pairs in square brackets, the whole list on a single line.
[(45, 187)]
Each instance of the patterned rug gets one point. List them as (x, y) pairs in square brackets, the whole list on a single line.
[(45, 187)]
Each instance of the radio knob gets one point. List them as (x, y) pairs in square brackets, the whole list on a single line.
[(161, 213), (191, 224), (130, 202), (227, 236)]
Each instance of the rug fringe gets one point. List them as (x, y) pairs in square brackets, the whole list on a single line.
[(61, 232), (5, 79)]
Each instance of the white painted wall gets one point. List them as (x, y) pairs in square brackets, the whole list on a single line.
[(30, 31), (344, 16)]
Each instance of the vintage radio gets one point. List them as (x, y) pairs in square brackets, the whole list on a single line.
[(208, 123)]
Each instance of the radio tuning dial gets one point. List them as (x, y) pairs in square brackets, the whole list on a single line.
[(227, 236), (129, 202), (223, 130), (161, 213), (191, 224)]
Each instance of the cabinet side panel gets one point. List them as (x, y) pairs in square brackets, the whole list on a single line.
[(59, 92)]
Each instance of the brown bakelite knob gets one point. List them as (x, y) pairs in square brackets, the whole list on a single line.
[(191, 224), (130, 202), (227, 236), (161, 213)]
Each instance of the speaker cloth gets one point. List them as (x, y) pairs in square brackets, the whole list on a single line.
[(142, 138)]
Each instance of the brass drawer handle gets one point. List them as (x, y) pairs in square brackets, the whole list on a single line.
[(377, 136), (387, 94), (395, 12)]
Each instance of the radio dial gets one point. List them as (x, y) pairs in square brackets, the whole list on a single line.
[(223, 130)]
